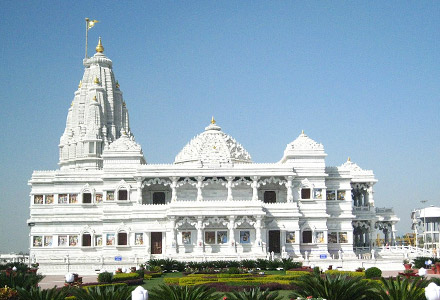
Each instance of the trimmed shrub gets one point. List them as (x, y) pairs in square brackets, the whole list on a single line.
[(420, 261), (373, 272), (125, 276), (105, 277), (298, 273), (171, 280), (347, 273), (262, 263), (233, 270), (248, 263), (93, 284)]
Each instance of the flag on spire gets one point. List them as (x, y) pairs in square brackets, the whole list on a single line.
[(91, 23)]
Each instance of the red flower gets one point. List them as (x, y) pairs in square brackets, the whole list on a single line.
[(309, 297), (225, 298)]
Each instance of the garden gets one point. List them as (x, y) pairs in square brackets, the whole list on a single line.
[(219, 280)]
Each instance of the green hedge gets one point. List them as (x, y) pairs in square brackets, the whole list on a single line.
[(232, 279), (104, 284), (298, 273), (420, 261), (347, 273), (125, 276)]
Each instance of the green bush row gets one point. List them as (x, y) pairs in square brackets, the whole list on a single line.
[(263, 264), (125, 276), (347, 273)]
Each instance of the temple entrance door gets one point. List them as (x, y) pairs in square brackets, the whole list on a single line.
[(156, 243), (274, 241)]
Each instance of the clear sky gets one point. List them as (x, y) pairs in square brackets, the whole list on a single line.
[(360, 77)]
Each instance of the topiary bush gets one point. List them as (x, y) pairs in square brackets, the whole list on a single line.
[(233, 270), (125, 276), (105, 277), (373, 272)]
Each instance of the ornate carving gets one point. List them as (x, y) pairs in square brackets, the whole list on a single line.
[(187, 180), (245, 219), (186, 220), (213, 147), (272, 180), (156, 180), (241, 180)]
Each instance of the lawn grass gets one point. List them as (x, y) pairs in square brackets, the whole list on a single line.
[(153, 282)]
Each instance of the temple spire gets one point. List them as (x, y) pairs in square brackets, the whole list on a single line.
[(99, 48)]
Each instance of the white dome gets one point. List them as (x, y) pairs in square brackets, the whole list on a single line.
[(303, 142), (213, 147)]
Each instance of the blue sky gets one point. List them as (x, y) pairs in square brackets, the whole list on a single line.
[(362, 78)]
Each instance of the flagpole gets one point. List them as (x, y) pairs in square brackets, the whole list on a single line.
[(87, 31)]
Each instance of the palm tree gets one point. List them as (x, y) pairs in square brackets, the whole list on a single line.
[(336, 287), (176, 292), (109, 292), (403, 289), (254, 294), (39, 294)]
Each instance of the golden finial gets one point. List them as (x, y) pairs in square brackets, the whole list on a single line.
[(80, 84), (71, 104), (349, 159), (212, 120), (302, 131), (99, 48), (117, 84), (94, 98), (123, 104), (96, 81)]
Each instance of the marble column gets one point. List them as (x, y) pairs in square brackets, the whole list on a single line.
[(393, 234), (231, 227), (258, 240), (199, 188), (172, 240), (254, 188), (174, 188), (199, 227), (289, 185), (139, 189), (229, 186), (370, 195)]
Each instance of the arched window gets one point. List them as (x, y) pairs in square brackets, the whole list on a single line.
[(305, 193), (122, 238), (270, 197), (307, 236), (122, 195), (86, 239), (87, 197)]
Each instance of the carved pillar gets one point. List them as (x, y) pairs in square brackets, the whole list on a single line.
[(199, 227), (148, 242), (231, 227), (254, 188), (370, 193), (229, 186), (258, 240), (174, 188), (172, 239), (139, 189), (393, 235), (289, 185), (199, 188)]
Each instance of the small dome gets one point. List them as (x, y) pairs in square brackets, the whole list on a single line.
[(213, 147), (303, 142), (124, 143)]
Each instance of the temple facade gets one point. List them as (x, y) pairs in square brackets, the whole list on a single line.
[(106, 205)]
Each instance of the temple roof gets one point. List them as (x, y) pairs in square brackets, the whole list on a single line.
[(213, 147)]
